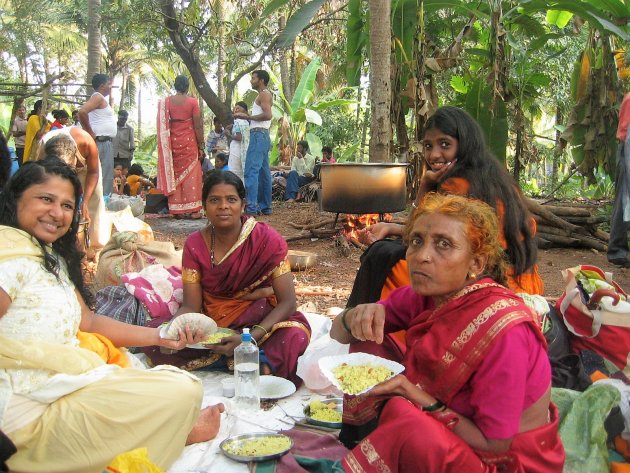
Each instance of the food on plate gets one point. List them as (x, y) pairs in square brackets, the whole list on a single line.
[(216, 337), (324, 411), (258, 447), (354, 379)]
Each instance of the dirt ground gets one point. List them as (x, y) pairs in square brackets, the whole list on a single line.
[(328, 283)]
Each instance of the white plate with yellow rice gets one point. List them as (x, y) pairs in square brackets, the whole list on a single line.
[(357, 373)]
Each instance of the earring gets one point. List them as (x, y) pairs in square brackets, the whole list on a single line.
[(472, 275)]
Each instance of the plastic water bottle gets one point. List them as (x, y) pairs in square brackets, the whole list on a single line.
[(246, 372)]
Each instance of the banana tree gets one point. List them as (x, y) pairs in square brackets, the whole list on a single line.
[(302, 110)]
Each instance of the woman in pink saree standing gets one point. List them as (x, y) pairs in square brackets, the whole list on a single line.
[(180, 149)]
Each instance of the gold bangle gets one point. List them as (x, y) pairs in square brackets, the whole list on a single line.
[(262, 328)]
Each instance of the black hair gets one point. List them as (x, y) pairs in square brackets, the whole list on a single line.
[(136, 170), (124, 113), (59, 114), (327, 149), (217, 176), (490, 182), (304, 144), (181, 84), (37, 172), (262, 75), (5, 161), (223, 157), (37, 106), (99, 79), (242, 105)]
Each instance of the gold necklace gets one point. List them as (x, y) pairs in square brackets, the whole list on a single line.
[(212, 263)]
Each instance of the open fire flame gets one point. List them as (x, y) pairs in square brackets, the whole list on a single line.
[(354, 228)]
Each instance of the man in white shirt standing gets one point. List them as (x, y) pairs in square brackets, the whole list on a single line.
[(257, 173), (301, 171), (99, 120)]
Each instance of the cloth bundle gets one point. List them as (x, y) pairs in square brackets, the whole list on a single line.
[(127, 253), (159, 289), (597, 314)]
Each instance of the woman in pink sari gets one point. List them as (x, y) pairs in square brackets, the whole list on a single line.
[(235, 270), (180, 151), (475, 393)]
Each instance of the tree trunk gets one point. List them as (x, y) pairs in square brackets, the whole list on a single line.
[(380, 80), (123, 90), (94, 42), (139, 124), (190, 59), (221, 53), (518, 152), (292, 73), (284, 65), (557, 149)]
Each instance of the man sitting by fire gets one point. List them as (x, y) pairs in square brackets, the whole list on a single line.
[(301, 172)]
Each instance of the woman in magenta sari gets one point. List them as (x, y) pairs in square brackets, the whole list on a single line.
[(235, 270), (475, 393), (180, 149)]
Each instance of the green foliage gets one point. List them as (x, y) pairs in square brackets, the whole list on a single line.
[(146, 155), (298, 22), (338, 130), (493, 120), (356, 42)]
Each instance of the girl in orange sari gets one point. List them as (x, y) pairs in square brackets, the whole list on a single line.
[(475, 393), (458, 162), (180, 149)]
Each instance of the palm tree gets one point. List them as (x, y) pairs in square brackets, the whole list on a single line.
[(380, 51), (94, 40)]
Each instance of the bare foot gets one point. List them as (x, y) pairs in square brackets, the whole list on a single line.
[(290, 201), (207, 425)]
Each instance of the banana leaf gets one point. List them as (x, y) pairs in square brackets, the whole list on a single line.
[(298, 21), (306, 86), (493, 120)]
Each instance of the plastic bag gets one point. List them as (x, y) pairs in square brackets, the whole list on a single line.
[(134, 461), (582, 429), (308, 364), (124, 221)]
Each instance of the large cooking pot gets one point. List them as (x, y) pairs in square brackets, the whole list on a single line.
[(361, 188)]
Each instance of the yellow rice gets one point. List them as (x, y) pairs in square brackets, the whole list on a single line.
[(257, 447), (354, 379)]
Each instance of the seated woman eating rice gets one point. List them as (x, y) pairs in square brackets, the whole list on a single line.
[(475, 393), (235, 270)]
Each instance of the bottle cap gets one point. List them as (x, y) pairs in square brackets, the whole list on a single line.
[(246, 336)]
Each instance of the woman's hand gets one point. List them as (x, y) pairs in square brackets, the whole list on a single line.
[(260, 293), (186, 337), (381, 230), (367, 322), (431, 178), (227, 345), (85, 214), (399, 385)]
